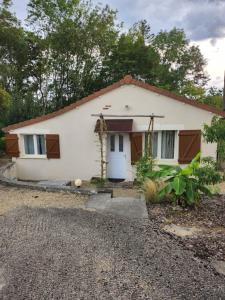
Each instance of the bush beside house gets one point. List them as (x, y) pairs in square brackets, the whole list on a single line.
[(183, 186)]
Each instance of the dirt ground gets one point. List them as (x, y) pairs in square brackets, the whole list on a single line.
[(221, 187), (208, 218), (12, 197)]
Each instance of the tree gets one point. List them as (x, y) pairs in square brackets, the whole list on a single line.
[(192, 91), (76, 38), (132, 54), (5, 100), (180, 63), (166, 60), (215, 133), (14, 71), (214, 97), (73, 48)]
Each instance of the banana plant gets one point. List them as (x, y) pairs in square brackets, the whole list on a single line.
[(181, 183)]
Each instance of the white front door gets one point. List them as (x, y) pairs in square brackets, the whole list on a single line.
[(117, 146)]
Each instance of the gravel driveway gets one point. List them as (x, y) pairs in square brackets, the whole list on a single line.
[(50, 253), (13, 197)]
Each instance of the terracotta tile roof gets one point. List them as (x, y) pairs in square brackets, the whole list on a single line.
[(125, 81), (116, 125)]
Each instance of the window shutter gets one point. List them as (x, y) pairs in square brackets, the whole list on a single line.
[(52, 146), (136, 147), (189, 145), (12, 145)]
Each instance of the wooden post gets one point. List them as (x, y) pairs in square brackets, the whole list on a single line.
[(150, 136), (102, 130)]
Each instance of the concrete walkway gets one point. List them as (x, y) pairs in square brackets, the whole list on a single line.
[(127, 207)]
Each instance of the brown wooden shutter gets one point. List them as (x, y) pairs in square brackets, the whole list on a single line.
[(136, 147), (189, 145), (52, 146), (12, 145)]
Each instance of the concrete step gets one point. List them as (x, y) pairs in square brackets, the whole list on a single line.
[(122, 206)]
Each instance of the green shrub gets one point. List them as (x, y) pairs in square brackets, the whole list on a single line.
[(2, 144), (144, 167), (183, 186), (207, 172)]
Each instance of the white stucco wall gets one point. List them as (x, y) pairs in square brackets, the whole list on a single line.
[(79, 146)]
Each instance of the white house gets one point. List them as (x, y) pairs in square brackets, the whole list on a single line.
[(64, 145)]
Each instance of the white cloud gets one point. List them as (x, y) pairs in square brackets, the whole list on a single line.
[(215, 56)]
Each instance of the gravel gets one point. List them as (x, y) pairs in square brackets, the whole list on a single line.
[(208, 218), (12, 197), (50, 253)]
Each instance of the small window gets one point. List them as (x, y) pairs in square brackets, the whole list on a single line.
[(41, 144), (29, 144), (154, 146), (120, 143), (34, 144), (167, 146), (112, 143)]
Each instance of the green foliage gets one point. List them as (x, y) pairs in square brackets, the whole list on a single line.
[(144, 167), (215, 133), (132, 54), (207, 173), (192, 91), (183, 185), (73, 48), (213, 97), (5, 100), (179, 61)]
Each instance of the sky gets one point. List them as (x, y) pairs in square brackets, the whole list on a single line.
[(202, 20)]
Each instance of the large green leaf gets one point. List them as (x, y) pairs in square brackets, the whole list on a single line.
[(187, 171), (163, 171), (165, 190), (179, 185), (195, 163), (190, 191), (205, 190)]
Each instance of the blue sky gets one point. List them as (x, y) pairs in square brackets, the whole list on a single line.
[(202, 20)]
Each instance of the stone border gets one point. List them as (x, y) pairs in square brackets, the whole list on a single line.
[(46, 188)]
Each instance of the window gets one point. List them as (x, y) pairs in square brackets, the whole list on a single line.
[(29, 144), (120, 143), (40, 144), (163, 144), (34, 144), (155, 144), (112, 143), (167, 144)]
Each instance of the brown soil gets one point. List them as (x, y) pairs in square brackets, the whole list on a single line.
[(221, 187), (12, 197), (209, 243)]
